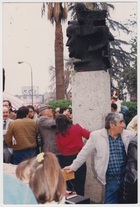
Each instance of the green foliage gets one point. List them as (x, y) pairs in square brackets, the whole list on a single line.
[(59, 103), (132, 106), (128, 77)]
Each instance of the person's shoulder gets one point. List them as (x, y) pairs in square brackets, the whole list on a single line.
[(13, 122), (127, 132), (29, 120), (43, 118), (98, 132), (9, 120), (17, 192), (77, 125), (134, 141), (102, 130)]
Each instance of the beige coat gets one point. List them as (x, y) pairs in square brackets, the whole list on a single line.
[(99, 144), (133, 124)]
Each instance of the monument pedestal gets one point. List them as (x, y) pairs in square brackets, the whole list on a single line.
[(90, 104)]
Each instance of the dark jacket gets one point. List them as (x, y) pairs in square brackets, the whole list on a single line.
[(130, 183)]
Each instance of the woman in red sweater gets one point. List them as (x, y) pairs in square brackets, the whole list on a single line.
[(70, 142)]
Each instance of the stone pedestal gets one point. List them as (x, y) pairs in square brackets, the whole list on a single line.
[(90, 104)]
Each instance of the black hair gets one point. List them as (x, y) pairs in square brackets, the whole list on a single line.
[(22, 112), (8, 102), (31, 107), (114, 106), (62, 109)]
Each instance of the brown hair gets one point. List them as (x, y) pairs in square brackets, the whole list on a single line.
[(63, 124), (45, 178), (23, 170)]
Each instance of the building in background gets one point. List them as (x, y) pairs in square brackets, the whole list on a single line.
[(26, 95)]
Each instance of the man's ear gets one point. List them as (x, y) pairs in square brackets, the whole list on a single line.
[(111, 125)]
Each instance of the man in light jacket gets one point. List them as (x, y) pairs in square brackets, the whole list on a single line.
[(110, 154)]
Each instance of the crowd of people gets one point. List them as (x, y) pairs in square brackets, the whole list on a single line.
[(43, 142)]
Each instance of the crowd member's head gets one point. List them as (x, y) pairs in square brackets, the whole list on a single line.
[(22, 112), (114, 122), (113, 107), (66, 111), (37, 112), (44, 176), (46, 110), (31, 111), (23, 170), (8, 104), (12, 114), (62, 124), (57, 111), (5, 113)]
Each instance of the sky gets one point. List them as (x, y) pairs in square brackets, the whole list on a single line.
[(28, 37)]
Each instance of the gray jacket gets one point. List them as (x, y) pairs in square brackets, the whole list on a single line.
[(99, 144), (47, 130)]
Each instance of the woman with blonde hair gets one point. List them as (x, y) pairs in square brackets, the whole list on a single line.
[(44, 175)]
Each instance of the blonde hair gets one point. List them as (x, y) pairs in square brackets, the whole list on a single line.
[(45, 178)]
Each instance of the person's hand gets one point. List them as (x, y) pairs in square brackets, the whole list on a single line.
[(67, 169)]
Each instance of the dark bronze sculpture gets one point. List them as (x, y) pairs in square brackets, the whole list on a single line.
[(88, 40)]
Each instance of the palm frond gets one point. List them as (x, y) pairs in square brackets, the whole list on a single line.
[(51, 12), (64, 12)]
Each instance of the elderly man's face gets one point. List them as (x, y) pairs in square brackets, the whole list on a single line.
[(48, 112), (118, 127)]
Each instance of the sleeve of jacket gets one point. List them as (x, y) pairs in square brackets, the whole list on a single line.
[(130, 183), (47, 123), (84, 132), (85, 152)]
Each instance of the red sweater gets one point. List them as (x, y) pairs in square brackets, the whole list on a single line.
[(72, 143)]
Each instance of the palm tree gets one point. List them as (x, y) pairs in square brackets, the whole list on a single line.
[(57, 12)]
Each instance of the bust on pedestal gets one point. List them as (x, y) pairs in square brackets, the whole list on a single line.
[(88, 40)]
